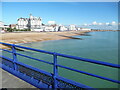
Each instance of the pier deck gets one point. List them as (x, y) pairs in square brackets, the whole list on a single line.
[(11, 81)]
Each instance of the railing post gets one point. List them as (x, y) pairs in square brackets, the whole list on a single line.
[(55, 71), (14, 57)]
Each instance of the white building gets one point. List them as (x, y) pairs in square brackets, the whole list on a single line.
[(29, 23), (78, 28), (56, 29), (35, 24), (3, 27), (85, 29), (72, 27), (49, 29), (62, 28)]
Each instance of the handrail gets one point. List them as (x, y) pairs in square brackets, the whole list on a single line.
[(90, 74), (34, 58), (55, 65), (49, 74), (68, 56), (90, 60)]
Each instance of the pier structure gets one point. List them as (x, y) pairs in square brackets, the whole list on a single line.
[(43, 79)]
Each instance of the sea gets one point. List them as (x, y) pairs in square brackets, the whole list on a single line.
[(101, 46)]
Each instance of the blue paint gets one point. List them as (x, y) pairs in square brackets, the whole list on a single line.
[(55, 79), (14, 57)]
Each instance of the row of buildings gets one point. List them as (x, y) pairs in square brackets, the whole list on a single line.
[(35, 24)]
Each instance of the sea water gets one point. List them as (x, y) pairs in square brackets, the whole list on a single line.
[(101, 46)]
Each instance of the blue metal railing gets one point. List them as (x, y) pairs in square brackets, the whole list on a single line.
[(55, 77)]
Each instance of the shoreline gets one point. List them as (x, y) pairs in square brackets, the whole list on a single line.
[(29, 37)]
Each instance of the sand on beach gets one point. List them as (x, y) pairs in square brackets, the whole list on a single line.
[(27, 37)]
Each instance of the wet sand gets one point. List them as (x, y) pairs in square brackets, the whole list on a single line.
[(27, 37)]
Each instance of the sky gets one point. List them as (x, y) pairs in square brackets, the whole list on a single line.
[(62, 12), (60, 0)]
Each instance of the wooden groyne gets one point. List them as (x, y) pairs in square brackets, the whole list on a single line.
[(104, 30), (71, 37)]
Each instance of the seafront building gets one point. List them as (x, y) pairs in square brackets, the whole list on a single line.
[(12, 26), (83, 29), (29, 23), (72, 27), (35, 24), (62, 28), (3, 27)]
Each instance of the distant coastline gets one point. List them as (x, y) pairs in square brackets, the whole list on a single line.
[(29, 37)]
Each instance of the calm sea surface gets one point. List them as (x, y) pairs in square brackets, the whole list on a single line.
[(102, 46)]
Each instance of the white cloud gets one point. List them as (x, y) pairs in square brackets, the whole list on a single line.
[(107, 23), (113, 23), (100, 23), (51, 22), (94, 23), (85, 24)]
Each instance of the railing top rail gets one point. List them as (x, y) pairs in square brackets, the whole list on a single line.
[(67, 56), (49, 74), (55, 55), (28, 48), (90, 60), (90, 74)]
